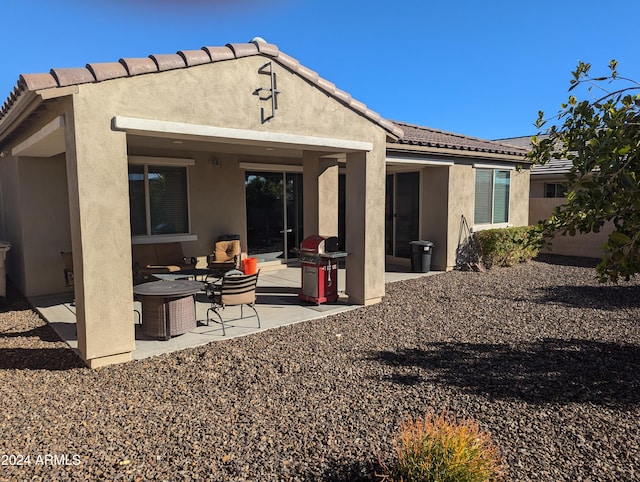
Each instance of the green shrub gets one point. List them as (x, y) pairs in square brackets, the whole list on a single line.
[(440, 449), (508, 246)]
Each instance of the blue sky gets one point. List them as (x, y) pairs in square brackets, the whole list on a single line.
[(477, 68)]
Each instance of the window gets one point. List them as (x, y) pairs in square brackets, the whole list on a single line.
[(492, 196), (158, 199), (554, 189)]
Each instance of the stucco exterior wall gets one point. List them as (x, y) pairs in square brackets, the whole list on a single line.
[(461, 203), (43, 182), (448, 194), (221, 94), (36, 211), (435, 213), (586, 245), (12, 220), (536, 189), (519, 197), (217, 203)]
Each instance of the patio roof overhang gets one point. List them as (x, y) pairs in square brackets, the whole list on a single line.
[(226, 139)]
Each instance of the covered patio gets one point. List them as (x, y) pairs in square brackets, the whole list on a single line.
[(117, 168), (277, 304)]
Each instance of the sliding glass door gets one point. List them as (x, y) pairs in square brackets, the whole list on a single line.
[(402, 213), (274, 214)]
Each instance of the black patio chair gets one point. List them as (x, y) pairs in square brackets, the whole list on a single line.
[(233, 290)]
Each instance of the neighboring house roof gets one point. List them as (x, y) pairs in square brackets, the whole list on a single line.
[(130, 67), (432, 138), (555, 167), (522, 141)]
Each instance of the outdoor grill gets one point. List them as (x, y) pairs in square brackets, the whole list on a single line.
[(319, 266)]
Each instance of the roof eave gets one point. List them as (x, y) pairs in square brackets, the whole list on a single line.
[(25, 104), (459, 153)]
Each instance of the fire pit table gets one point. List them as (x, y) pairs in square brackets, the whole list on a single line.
[(168, 307)]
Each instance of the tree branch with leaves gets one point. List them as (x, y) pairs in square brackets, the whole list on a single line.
[(600, 135)]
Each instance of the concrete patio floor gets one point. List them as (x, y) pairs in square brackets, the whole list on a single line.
[(277, 304)]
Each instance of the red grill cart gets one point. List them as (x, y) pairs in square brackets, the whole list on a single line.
[(319, 266)]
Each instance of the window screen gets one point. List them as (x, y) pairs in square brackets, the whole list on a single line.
[(491, 196), (484, 188)]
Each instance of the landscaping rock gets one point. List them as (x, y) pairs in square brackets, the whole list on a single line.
[(540, 354)]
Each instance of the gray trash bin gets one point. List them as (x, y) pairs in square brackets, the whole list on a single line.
[(421, 256), (4, 247)]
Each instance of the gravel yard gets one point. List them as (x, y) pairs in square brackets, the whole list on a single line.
[(541, 355)]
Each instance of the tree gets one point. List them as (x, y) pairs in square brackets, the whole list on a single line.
[(600, 135)]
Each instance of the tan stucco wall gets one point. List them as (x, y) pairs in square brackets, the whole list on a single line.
[(537, 189), (221, 94), (519, 197), (12, 221), (43, 182), (320, 185), (99, 214), (587, 245), (37, 223), (365, 187), (217, 203), (448, 195), (435, 213), (462, 179)]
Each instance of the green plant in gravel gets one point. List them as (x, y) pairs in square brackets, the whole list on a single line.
[(441, 449), (508, 246)]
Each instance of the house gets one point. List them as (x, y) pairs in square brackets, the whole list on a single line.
[(547, 191), (236, 139)]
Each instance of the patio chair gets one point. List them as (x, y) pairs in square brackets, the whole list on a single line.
[(234, 290), (226, 255)]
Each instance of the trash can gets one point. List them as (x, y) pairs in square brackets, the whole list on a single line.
[(4, 247), (421, 256)]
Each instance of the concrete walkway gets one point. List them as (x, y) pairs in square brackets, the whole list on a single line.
[(277, 304)]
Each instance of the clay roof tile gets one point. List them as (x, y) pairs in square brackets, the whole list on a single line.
[(428, 137), (137, 66), (326, 85), (37, 81), (343, 96), (97, 72), (73, 76), (219, 53), (168, 61), (266, 48), (195, 57), (107, 70), (289, 62), (243, 50), (308, 74)]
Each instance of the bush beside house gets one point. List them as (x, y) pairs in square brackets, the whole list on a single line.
[(508, 246)]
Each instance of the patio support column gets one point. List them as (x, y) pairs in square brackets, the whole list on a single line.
[(365, 187), (96, 159), (320, 183)]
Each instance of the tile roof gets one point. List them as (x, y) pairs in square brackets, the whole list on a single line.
[(129, 67), (424, 136), (555, 167)]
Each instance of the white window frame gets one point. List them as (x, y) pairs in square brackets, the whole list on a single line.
[(162, 238), (494, 169)]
